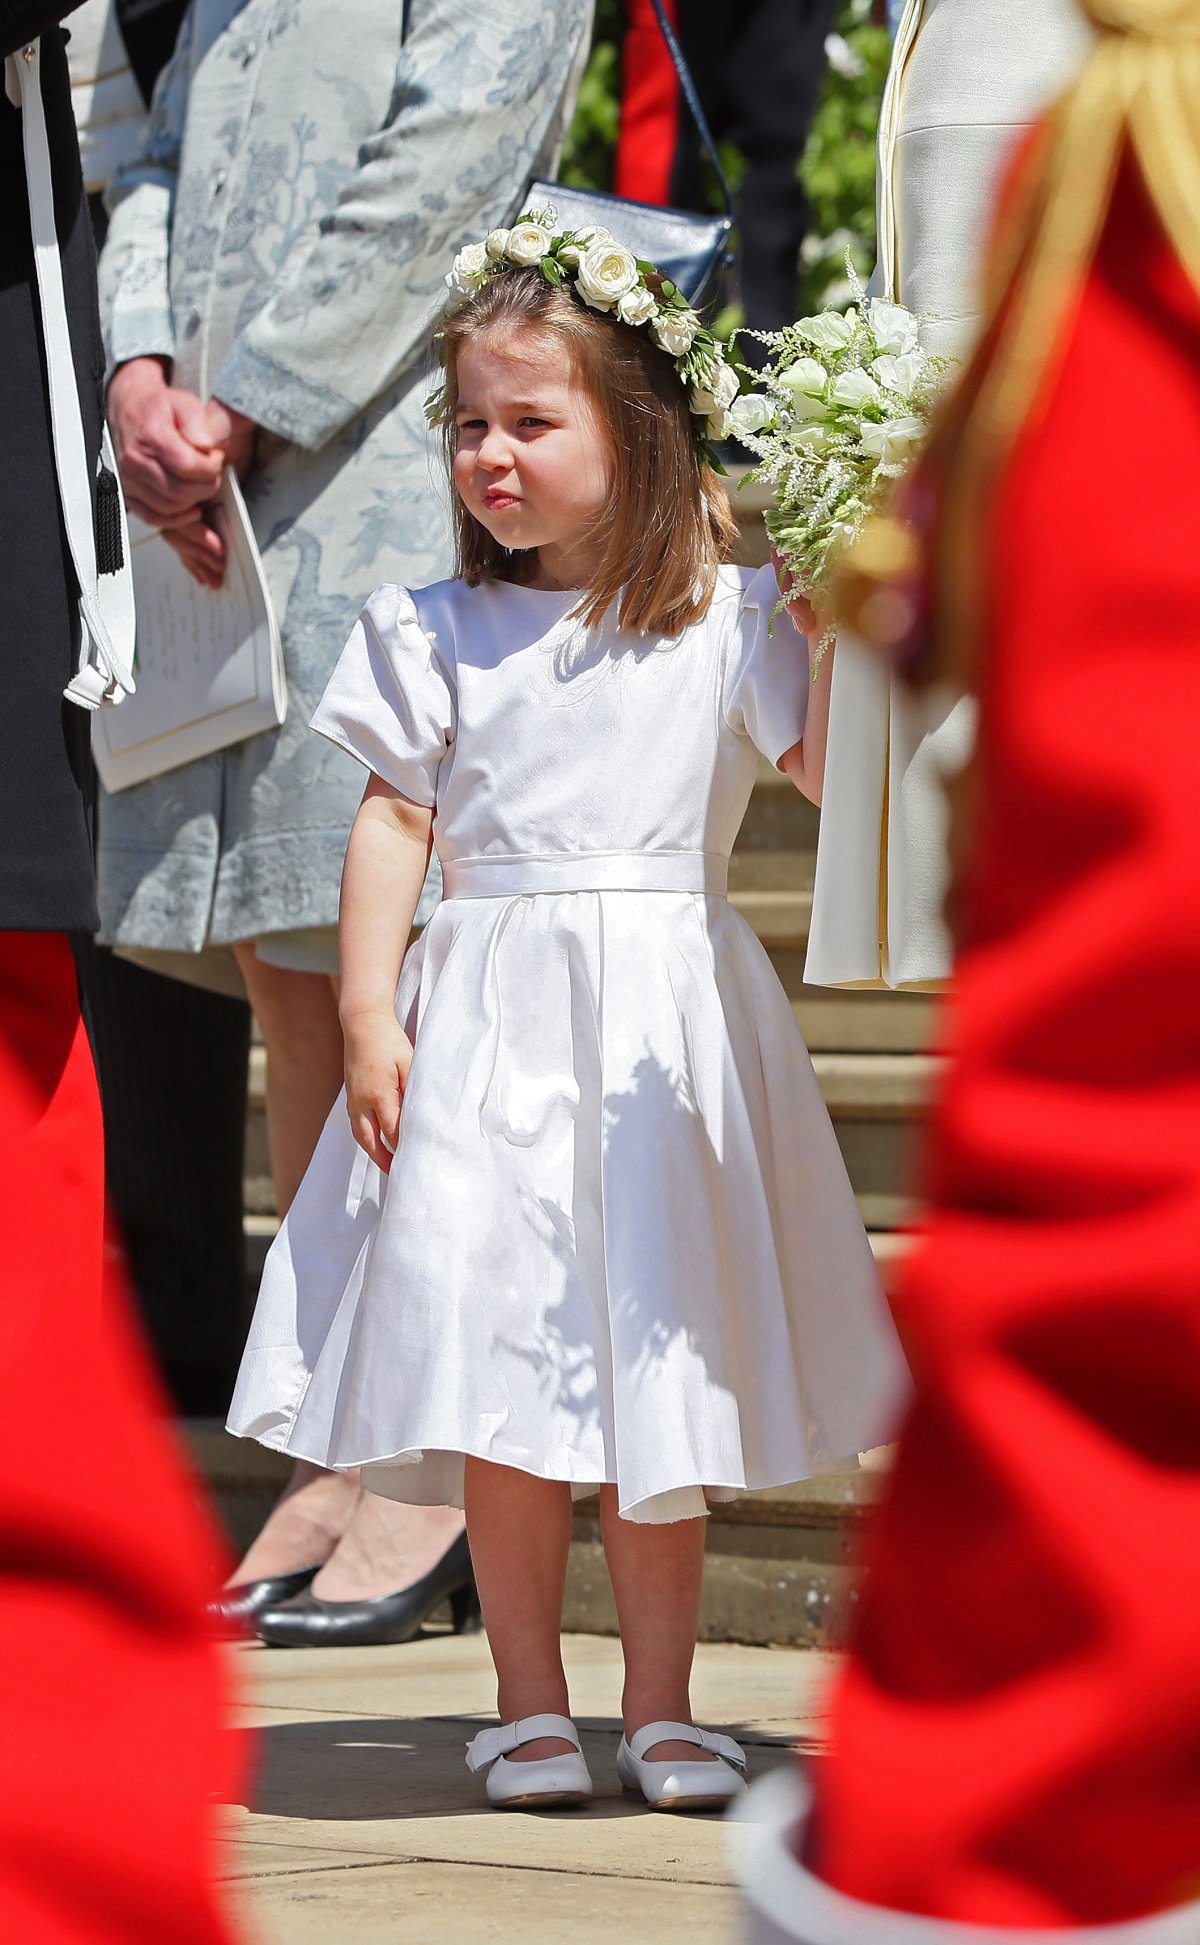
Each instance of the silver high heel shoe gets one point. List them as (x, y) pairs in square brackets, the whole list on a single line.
[(553, 1783), (676, 1785)]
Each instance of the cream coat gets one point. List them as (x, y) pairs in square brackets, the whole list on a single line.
[(967, 77), (309, 171)]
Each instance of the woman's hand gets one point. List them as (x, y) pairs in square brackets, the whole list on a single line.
[(234, 433), (200, 547), (378, 1056), (170, 462)]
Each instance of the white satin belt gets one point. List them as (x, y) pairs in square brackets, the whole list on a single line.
[(561, 871)]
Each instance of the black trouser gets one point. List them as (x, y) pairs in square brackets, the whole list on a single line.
[(758, 67), (172, 1063)]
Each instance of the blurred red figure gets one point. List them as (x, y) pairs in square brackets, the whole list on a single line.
[(112, 1744), (1016, 1742)]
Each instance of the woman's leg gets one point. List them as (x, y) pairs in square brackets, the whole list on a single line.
[(298, 1018), (372, 1546), (520, 1531), (656, 1574)]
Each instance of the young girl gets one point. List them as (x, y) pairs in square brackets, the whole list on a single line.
[(588, 1226)]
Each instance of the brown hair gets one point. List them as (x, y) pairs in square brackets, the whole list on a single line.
[(667, 525)]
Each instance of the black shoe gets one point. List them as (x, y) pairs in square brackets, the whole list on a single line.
[(234, 1611), (306, 1621)]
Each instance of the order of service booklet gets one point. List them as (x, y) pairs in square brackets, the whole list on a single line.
[(208, 665)]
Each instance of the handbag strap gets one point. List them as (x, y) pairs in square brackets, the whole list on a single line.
[(687, 88), (103, 674)]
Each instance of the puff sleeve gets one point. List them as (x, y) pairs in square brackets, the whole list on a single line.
[(767, 677), (390, 699)]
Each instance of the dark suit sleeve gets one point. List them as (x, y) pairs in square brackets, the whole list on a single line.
[(22, 21)]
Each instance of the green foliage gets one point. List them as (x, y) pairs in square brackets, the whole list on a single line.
[(587, 161), (838, 169)]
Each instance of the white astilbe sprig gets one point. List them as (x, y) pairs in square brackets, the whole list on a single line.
[(839, 410)]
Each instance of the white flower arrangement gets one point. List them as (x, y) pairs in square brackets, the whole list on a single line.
[(608, 277), (841, 408)]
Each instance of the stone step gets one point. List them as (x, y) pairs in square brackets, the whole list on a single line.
[(779, 1570), (849, 1022), (779, 915)]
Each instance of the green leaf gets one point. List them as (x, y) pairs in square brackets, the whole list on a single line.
[(551, 271)]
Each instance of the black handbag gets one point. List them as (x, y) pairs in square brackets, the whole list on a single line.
[(688, 248)]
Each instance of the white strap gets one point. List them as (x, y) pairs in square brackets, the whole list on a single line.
[(656, 1732), (104, 676), (490, 1743)]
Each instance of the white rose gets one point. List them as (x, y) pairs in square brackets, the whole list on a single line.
[(606, 271), (719, 393), (751, 412), (497, 244), (569, 253), (829, 331), (716, 425), (673, 331), (893, 328), (805, 383), (901, 375), (636, 305), (893, 441), (467, 271), (594, 233), (855, 389), (528, 243)]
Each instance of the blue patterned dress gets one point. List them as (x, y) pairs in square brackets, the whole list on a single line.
[(309, 171)]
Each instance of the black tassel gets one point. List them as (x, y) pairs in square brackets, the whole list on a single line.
[(110, 553)]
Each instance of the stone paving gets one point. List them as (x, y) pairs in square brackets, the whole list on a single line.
[(362, 1825)]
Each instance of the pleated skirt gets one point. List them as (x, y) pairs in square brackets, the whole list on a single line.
[(617, 1243)]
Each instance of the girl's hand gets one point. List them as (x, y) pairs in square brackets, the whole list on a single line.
[(378, 1056), (799, 606)]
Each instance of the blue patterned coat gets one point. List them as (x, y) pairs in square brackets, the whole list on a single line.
[(310, 169)]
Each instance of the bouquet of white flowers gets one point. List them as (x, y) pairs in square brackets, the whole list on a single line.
[(842, 406)]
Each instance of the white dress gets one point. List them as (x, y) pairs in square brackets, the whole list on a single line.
[(967, 77), (617, 1242)]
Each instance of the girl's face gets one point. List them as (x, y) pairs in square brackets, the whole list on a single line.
[(532, 463)]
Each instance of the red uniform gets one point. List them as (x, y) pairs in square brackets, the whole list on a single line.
[(1016, 1741), (112, 1741)]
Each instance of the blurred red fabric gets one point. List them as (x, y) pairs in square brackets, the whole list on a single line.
[(1017, 1739), (650, 107), (113, 1744)]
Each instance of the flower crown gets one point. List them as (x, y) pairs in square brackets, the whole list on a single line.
[(608, 277)]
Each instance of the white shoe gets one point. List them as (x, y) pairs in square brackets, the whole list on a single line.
[(554, 1782), (682, 1786)]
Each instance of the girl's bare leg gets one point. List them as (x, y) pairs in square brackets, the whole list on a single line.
[(371, 1546), (520, 1531), (656, 1574)]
